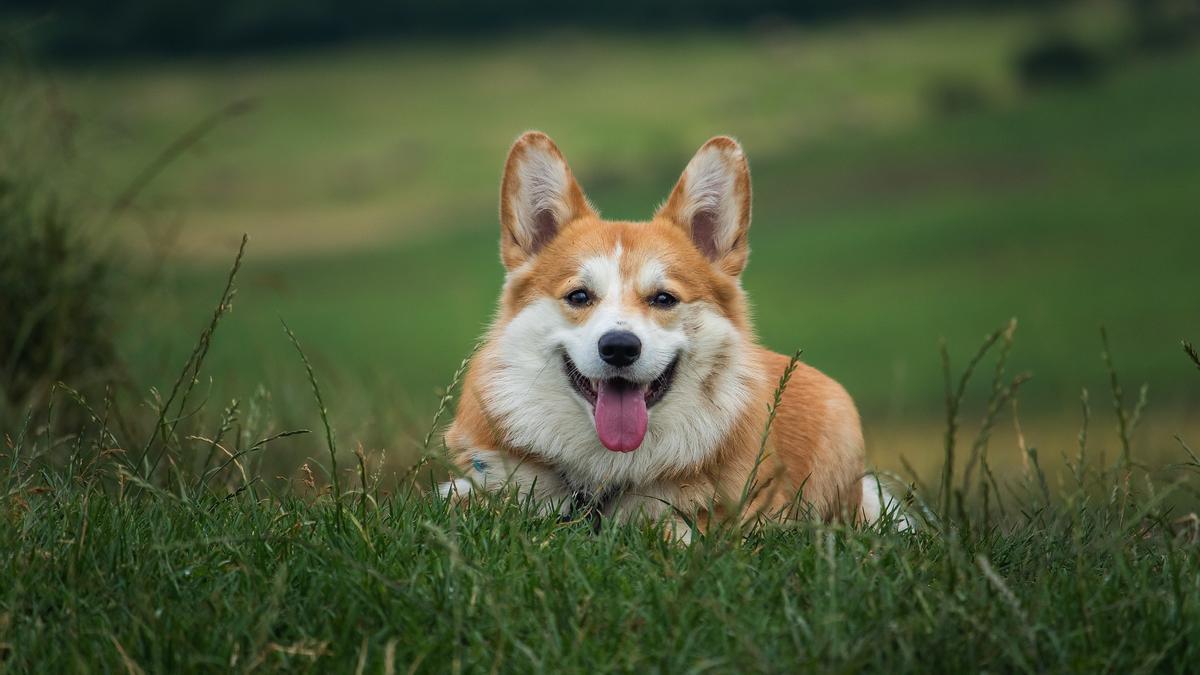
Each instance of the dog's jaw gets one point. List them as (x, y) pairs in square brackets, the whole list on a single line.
[(620, 406)]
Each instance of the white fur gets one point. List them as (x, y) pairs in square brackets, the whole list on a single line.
[(652, 276), (528, 392), (459, 487), (493, 470), (877, 501)]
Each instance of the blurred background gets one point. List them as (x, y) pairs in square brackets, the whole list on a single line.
[(922, 170)]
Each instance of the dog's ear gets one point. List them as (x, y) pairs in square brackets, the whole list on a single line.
[(538, 196), (711, 202)]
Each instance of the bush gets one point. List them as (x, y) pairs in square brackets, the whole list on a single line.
[(1164, 24), (55, 285), (54, 295), (1057, 59)]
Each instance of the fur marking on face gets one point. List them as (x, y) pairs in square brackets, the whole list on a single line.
[(616, 360)]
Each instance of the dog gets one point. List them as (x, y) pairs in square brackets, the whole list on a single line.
[(621, 372)]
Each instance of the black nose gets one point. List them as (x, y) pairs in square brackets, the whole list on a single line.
[(619, 347)]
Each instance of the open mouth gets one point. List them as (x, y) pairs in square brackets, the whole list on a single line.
[(620, 405)]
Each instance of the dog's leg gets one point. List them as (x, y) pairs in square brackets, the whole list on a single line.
[(493, 471), (877, 501)]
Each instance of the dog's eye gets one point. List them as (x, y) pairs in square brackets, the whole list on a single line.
[(578, 298), (664, 300)]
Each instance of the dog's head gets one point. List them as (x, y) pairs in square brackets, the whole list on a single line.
[(621, 331)]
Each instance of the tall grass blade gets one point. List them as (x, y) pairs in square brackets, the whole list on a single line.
[(329, 439), (953, 401), (1190, 350), (191, 370), (751, 488)]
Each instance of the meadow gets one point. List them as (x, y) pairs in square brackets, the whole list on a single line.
[(909, 190)]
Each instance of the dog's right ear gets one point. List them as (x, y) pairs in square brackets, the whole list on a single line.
[(538, 196)]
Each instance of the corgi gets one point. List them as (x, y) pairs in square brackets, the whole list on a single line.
[(621, 371)]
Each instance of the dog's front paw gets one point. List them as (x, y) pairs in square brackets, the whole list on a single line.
[(456, 490)]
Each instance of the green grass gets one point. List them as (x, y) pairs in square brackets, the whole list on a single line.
[(111, 566), (195, 526), (211, 524), (96, 582), (151, 540)]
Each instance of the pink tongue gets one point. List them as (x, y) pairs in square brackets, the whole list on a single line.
[(620, 415)]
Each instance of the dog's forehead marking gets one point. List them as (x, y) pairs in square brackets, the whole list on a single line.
[(602, 273), (652, 275), (621, 271)]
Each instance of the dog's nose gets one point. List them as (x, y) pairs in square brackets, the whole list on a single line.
[(619, 348)]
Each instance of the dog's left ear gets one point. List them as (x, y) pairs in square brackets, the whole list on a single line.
[(711, 202), (538, 196)]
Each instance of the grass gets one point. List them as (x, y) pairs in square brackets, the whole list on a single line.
[(101, 581), (116, 563), (202, 527), (111, 564)]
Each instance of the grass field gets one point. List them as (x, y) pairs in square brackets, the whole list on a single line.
[(156, 532), (112, 565), (211, 570), (150, 583)]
